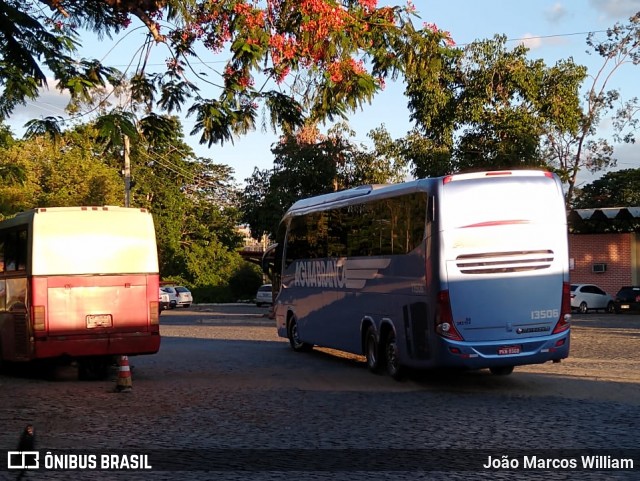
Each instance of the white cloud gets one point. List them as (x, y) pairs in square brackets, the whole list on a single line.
[(555, 13), (533, 42), (626, 156), (50, 102), (616, 9), (530, 41)]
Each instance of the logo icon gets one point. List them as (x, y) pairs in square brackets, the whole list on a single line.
[(23, 459)]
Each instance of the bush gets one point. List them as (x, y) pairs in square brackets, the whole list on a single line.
[(245, 281), (212, 295), (242, 285)]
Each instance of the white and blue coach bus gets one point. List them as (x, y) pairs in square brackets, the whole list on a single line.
[(467, 270)]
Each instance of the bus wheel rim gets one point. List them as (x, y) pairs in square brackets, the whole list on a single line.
[(372, 358), (392, 356), (294, 335)]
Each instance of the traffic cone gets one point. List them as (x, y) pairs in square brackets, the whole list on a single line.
[(124, 375)]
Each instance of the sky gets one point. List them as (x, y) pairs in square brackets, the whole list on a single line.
[(552, 29)]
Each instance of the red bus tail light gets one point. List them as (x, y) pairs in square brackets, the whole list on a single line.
[(38, 318), (444, 318), (154, 313), (564, 323)]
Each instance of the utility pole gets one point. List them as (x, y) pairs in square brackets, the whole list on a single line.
[(127, 172)]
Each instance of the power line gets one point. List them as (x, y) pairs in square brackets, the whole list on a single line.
[(542, 37), (537, 37)]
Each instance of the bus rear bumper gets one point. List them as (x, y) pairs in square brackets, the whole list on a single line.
[(130, 344), (516, 352)]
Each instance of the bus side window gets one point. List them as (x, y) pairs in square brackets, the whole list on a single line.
[(297, 243), (276, 278), (22, 250), (338, 232), (15, 252), (3, 294), (2, 255)]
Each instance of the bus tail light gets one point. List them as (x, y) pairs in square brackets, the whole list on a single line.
[(564, 323), (38, 318), (154, 313), (444, 318)]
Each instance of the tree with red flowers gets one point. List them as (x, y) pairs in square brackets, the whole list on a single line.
[(298, 60)]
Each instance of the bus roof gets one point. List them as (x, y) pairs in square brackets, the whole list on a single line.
[(357, 194), (26, 216), (344, 196), (88, 240)]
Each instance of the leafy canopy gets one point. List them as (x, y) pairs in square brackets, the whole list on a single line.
[(299, 59)]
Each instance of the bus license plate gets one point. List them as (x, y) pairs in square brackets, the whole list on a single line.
[(99, 320), (624, 306), (503, 351)]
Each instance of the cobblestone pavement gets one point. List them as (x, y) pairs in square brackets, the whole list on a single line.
[(224, 390)]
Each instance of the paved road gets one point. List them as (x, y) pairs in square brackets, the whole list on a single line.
[(225, 389)]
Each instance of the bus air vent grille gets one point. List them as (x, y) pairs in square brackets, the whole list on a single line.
[(503, 262)]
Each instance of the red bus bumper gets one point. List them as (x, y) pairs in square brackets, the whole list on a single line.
[(129, 344)]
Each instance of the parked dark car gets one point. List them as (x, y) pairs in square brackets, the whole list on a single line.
[(627, 299)]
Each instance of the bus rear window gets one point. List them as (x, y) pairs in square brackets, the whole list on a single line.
[(486, 202)]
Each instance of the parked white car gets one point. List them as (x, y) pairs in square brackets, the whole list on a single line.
[(264, 296), (588, 297), (180, 294), (173, 296), (164, 300), (185, 299)]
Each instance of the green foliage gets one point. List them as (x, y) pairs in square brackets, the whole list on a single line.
[(114, 126), (614, 189), (64, 173), (570, 150), (245, 281), (308, 164), (49, 126), (309, 56), (482, 106), (6, 136), (428, 157), (193, 200), (193, 203), (486, 107)]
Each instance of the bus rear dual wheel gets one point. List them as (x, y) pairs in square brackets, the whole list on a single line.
[(386, 358)]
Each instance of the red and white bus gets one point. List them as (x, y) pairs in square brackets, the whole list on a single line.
[(79, 283)]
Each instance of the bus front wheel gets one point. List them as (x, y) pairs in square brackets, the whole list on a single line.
[(392, 359), (294, 338), (372, 351)]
